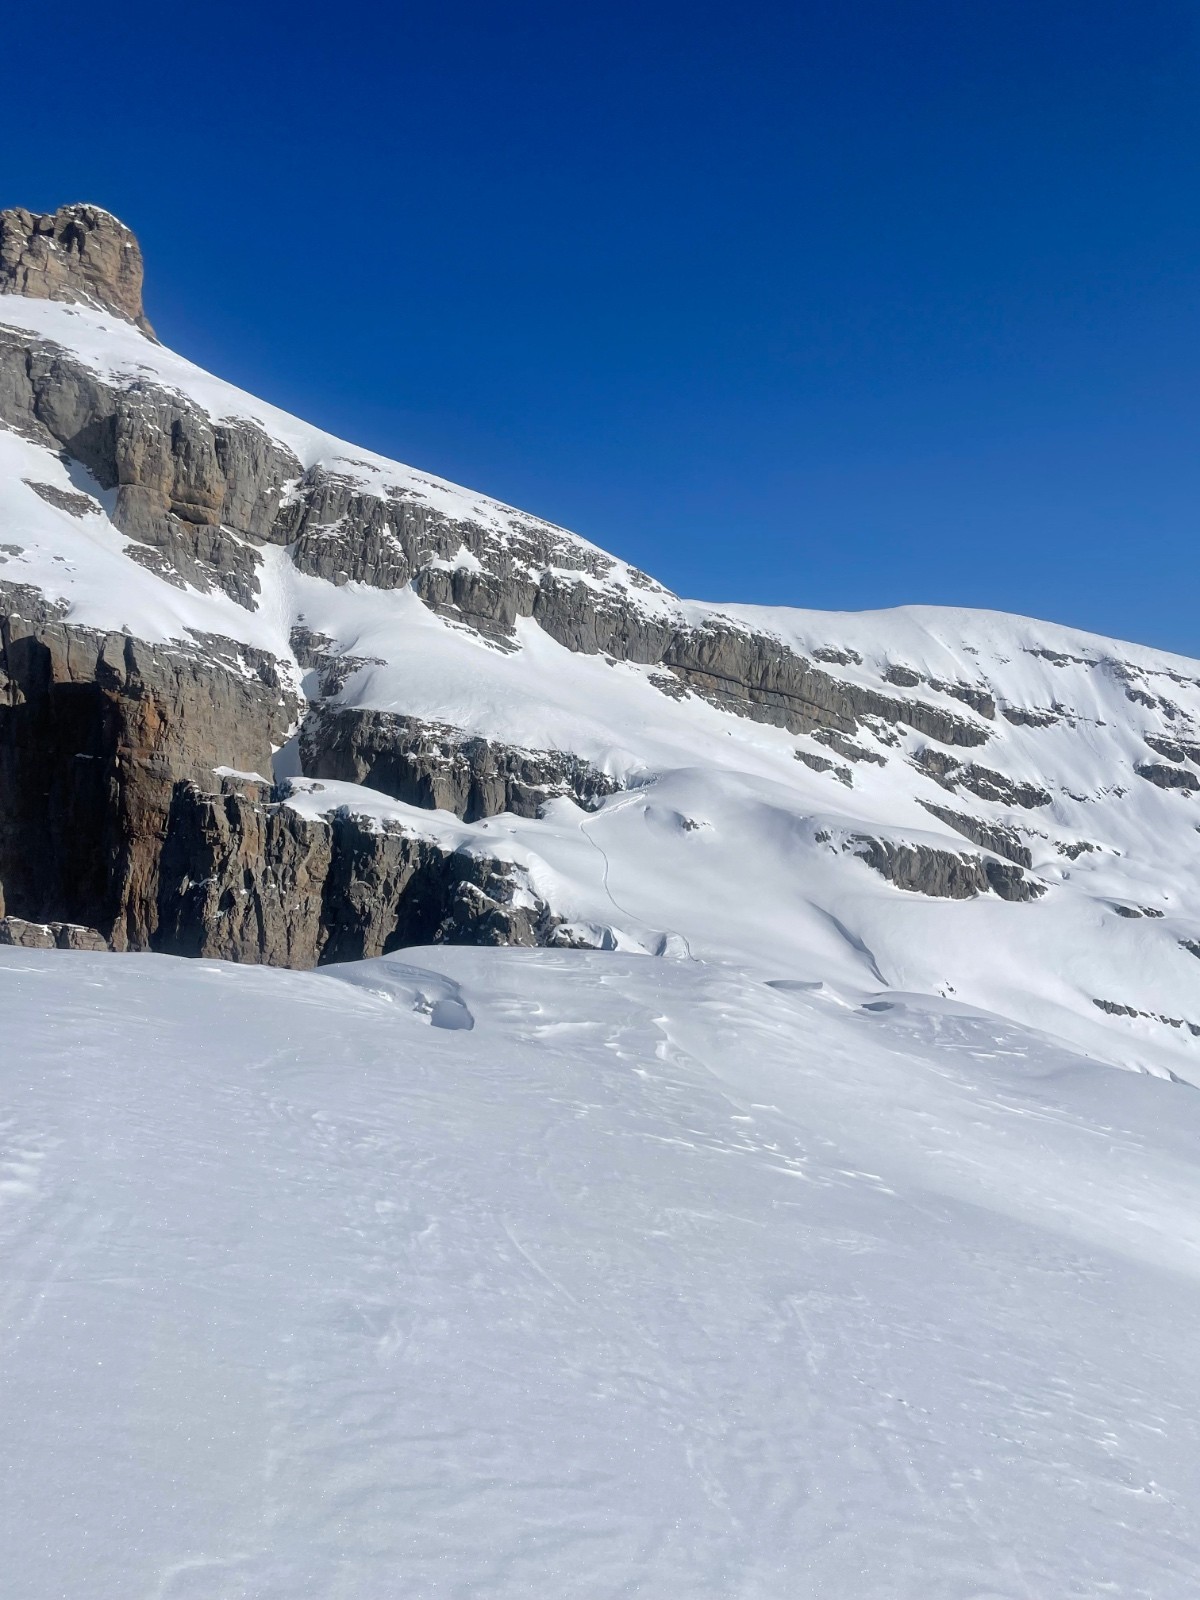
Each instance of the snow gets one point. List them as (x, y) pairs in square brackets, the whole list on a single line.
[(800, 1240), (513, 1273), (732, 868), (119, 353), (723, 843)]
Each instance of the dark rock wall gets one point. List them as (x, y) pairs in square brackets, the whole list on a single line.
[(95, 731), (425, 764), (989, 836), (246, 879), (943, 874)]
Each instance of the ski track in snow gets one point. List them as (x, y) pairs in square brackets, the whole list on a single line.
[(660, 1281)]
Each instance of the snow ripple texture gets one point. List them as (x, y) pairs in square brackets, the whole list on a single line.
[(557, 1273)]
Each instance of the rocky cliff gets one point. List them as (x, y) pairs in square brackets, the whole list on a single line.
[(97, 731), (265, 696), (79, 254)]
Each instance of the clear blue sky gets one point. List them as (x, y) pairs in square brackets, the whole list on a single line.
[(837, 304)]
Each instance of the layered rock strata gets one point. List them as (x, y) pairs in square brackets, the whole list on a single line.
[(247, 878), (943, 874), (95, 732), (438, 767)]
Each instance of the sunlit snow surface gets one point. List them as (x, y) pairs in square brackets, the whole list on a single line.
[(805, 1244), (513, 1273)]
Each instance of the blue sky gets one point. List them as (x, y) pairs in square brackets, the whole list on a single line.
[(837, 305)]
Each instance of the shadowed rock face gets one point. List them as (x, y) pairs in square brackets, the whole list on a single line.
[(1165, 777), (95, 731), (78, 253), (921, 869), (111, 834), (1001, 840), (245, 878)]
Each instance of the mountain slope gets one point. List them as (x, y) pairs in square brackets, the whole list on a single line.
[(269, 697), (779, 1227)]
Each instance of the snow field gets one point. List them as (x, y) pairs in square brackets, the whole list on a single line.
[(514, 1273)]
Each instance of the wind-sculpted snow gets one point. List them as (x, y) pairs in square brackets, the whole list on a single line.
[(533, 1273)]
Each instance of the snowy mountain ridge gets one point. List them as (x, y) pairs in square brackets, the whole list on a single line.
[(361, 707), (766, 1220)]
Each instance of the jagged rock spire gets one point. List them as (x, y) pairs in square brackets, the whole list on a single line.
[(78, 253)]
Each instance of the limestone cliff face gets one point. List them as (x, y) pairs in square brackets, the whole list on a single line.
[(432, 765), (246, 878), (77, 253), (945, 874), (113, 816), (190, 492), (95, 732)]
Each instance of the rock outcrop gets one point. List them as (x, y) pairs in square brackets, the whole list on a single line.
[(1000, 840), (77, 253), (246, 878), (195, 494), (95, 732), (15, 931), (953, 774), (922, 869), (441, 768), (1164, 777)]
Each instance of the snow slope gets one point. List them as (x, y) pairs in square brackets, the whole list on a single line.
[(506, 1273), (724, 843)]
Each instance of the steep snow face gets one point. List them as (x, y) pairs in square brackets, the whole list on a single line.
[(1075, 766), (508, 1273)]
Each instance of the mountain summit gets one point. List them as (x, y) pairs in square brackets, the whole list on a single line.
[(268, 697), (79, 254)]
